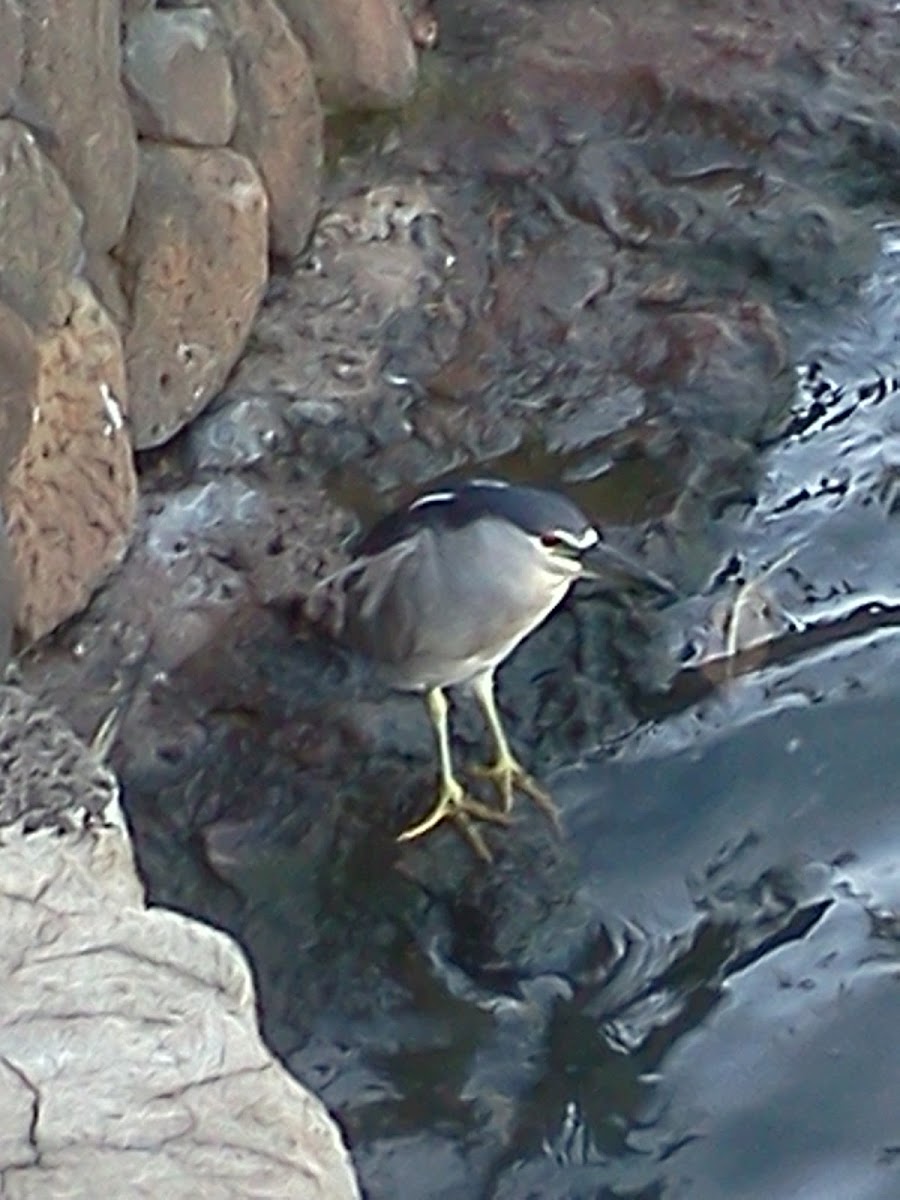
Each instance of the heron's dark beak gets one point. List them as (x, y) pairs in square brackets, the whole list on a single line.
[(611, 566)]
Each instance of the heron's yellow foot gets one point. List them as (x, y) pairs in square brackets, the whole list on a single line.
[(508, 777), (454, 804)]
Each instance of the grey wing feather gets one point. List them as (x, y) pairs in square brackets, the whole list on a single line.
[(362, 605)]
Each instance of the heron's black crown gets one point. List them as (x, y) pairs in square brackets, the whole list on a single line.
[(455, 505)]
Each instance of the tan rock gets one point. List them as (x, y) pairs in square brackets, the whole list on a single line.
[(279, 124), (18, 385), (179, 76), (102, 272), (361, 50), (71, 88), (195, 264), (11, 52), (39, 228), (70, 497), (131, 1065), (9, 595)]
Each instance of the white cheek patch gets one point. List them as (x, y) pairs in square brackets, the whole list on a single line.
[(578, 541)]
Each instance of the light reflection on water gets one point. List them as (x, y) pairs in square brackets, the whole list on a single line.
[(745, 873)]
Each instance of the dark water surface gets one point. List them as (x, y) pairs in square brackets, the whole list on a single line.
[(753, 877)]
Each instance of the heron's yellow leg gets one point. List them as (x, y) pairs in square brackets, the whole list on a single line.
[(506, 772), (453, 803)]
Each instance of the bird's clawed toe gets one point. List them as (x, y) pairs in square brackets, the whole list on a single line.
[(456, 805), (508, 777)]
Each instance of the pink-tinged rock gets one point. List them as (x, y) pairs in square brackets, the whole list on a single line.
[(194, 266), (11, 52), (279, 123), (70, 496), (40, 228), (18, 385), (179, 76), (362, 50), (71, 89)]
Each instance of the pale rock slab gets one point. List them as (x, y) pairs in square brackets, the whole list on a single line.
[(130, 1061)]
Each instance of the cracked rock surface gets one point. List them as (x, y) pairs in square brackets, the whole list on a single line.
[(130, 1061)]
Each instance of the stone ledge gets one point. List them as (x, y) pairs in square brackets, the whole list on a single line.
[(130, 1060)]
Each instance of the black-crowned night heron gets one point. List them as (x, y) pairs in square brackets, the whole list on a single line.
[(442, 591)]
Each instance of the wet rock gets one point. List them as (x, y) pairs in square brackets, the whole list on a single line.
[(726, 371), (70, 497), (212, 564), (815, 250), (73, 75), (239, 433), (11, 51), (211, 546), (194, 268), (40, 228), (279, 122), (574, 427), (179, 75), (128, 1036), (361, 49), (18, 385), (379, 261)]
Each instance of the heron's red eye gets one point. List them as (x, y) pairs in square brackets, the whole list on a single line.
[(550, 539)]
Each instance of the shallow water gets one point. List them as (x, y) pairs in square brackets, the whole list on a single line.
[(753, 876), (729, 1027)]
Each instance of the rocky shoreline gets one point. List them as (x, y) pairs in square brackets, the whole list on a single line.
[(154, 160), (251, 305)]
